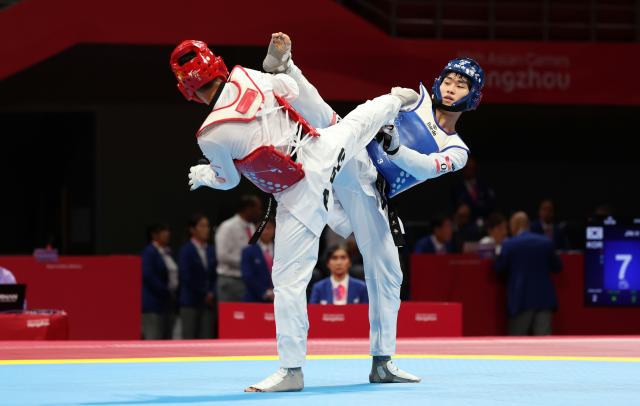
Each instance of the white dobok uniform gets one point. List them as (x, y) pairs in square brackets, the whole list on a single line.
[(238, 125), (358, 208)]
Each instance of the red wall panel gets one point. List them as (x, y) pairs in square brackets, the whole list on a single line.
[(101, 295), (346, 57), (416, 319)]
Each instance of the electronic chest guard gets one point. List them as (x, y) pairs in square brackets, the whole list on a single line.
[(419, 131), (267, 168)]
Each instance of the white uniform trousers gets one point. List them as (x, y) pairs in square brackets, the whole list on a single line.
[(358, 209), (383, 274), (298, 231)]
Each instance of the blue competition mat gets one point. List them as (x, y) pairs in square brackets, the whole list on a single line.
[(446, 381)]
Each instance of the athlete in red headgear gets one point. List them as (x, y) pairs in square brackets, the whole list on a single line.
[(195, 65), (253, 130)]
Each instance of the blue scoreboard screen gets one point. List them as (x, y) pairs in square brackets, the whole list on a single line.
[(612, 263)]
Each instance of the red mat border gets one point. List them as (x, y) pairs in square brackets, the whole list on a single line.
[(592, 346)]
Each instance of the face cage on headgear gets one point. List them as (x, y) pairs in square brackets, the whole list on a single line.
[(468, 68), (193, 74)]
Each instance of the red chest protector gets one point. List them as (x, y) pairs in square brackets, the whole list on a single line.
[(267, 168), (270, 170)]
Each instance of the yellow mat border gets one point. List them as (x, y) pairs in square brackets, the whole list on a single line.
[(312, 357)]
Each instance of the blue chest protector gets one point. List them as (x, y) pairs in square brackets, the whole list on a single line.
[(418, 131)]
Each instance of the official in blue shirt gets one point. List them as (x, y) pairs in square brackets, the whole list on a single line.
[(197, 264), (256, 263), (527, 260), (339, 288)]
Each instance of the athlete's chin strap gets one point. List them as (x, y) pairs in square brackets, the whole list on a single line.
[(458, 107)]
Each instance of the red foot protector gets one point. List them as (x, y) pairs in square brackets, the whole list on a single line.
[(270, 170)]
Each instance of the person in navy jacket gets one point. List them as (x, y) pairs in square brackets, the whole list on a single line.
[(527, 260), (159, 285), (339, 288), (256, 264), (197, 264), (440, 239)]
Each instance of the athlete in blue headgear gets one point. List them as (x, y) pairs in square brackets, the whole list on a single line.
[(424, 144), (360, 206)]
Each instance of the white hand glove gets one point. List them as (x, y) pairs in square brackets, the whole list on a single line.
[(202, 175), (407, 96), (389, 138)]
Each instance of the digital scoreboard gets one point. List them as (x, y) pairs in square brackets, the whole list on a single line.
[(612, 262)]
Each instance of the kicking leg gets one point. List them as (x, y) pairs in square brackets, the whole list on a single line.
[(309, 102)]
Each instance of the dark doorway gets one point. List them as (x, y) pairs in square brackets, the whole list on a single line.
[(47, 173)]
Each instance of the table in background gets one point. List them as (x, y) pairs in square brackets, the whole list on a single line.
[(100, 294)]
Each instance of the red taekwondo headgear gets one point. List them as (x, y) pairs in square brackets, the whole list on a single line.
[(195, 65)]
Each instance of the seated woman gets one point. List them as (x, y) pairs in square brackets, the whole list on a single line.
[(339, 288)]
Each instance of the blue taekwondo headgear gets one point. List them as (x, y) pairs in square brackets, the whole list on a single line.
[(468, 68)]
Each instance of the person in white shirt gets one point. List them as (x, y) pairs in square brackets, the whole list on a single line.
[(231, 238), (253, 130)]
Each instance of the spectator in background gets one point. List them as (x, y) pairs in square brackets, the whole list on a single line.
[(159, 285), (256, 264), (474, 192), (197, 266), (497, 230), (231, 238), (527, 260), (464, 229), (439, 242), (331, 239), (339, 288), (546, 225), (6, 277)]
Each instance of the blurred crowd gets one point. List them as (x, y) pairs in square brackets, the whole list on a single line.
[(180, 292), (216, 264)]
